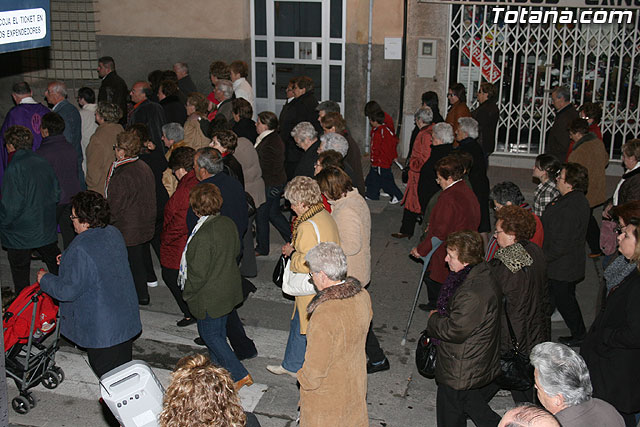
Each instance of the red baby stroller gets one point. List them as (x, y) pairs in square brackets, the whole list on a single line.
[(30, 342)]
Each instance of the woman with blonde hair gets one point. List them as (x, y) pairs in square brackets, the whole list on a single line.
[(312, 225), (202, 394)]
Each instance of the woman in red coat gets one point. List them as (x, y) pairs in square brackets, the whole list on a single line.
[(174, 229), (419, 155)]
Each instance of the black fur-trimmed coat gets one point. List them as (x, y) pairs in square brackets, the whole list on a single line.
[(333, 379)]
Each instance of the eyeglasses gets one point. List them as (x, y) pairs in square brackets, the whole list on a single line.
[(495, 233), (450, 94), (619, 230), (72, 217), (116, 147)]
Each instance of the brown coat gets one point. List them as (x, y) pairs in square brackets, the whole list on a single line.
[(469, 351), (100, 155), (247, 156), (458, 110), (333, 379), (132, 199), (193, 135), (271, 154), (520, 273), (589, 152), (353, 219), (169, 181), (305, 240)]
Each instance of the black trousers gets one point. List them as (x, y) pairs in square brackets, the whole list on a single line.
[(20, 263), (409, 220), (170, 277), (102, 360), (63, 218), (138, 269), (155, 244), (372, 347), (242, 345), (563, 297), (453, 406), (433, 289), (593, 235)]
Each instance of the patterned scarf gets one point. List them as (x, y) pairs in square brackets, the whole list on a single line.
[(112, 169), (314, 209), (617, 271), (451, 284), (182, 272)]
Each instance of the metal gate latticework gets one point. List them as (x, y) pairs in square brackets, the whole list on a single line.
[(599, 62)]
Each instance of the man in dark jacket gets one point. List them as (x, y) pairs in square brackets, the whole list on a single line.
[(209, 167), (147, 112), (113, 88), (558, 137), (62, 158), (185, 83), (565, 222), (30, 193)]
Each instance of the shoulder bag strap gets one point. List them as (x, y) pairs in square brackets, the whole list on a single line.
[(512, 334), (315, 227)]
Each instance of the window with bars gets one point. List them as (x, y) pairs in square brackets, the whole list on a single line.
[(599, 62)]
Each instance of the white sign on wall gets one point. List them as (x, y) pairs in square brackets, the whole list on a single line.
[(22, 25)]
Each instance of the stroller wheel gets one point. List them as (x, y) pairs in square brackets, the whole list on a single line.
[(50, 379), (20, 404), (59, 372), (32, 399)]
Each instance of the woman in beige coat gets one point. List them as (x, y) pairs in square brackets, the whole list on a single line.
[(352, 216), (333, 380), (100, 152), (306, 201)]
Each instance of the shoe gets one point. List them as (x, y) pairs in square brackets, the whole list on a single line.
[(186, 321), (152, 284), (383, 194), (199, 341), (372, 368), (394, 201), (143, 301), (571, 341), (279, 370), (595, 255), (251, 356), (556, 316), (246, 381), (427, 307), (369, 198), (400, 235)]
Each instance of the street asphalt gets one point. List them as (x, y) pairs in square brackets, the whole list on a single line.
[(399, 397)]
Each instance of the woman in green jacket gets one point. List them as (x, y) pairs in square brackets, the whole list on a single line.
[(211, 278)]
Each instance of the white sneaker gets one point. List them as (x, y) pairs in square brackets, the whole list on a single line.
[(152, 284), (394, 201), (279, 370), (556, 316), (383, 194)]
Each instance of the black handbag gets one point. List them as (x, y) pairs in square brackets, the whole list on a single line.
[(405, 172), (516, 372), (278, 271), (426, 352)]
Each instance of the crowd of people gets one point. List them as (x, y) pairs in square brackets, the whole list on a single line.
[(191, 176)]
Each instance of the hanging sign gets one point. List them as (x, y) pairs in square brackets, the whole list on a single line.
[(24, 24), (489, 70)]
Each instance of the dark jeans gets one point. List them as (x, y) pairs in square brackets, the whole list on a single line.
[(563, 296), (269, 211), (453, 407), (170, 277), (593, 235), (372, 347), (136, 256), (409, 220), (242, 345), (155, 244), (20, 263), (381, 178), (63, 218), (102, 360), (214, 333), (248, 265)]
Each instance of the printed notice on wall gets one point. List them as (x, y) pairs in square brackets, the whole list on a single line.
[(24, 27)]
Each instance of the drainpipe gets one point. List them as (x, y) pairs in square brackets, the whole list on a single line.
[(367, 135), (403, 69)]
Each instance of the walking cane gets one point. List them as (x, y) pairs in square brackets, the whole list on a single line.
[(435, 243)]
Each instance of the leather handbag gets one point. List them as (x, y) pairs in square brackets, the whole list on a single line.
[(516, 372), (426, 353), (278, 271), (298, 284)]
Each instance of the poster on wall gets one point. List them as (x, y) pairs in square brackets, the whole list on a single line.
[(24, 24)]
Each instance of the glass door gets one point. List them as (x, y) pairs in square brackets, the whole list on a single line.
[(297, 38)]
